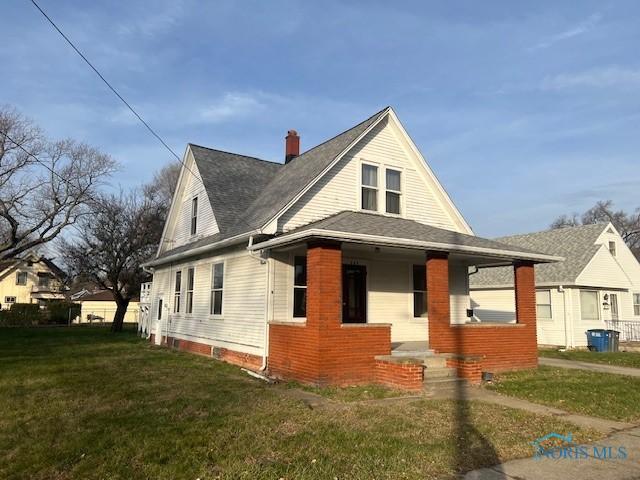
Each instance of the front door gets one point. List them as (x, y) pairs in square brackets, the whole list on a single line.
[(354, 294), (613, 298)]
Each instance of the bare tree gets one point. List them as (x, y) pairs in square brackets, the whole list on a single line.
[(110, 246), (45, 186), (164, 184), (627, 224)]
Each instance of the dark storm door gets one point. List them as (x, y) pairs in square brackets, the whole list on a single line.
[(354, 294)]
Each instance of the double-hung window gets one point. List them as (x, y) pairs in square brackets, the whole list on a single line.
[(190, 282), (369, 187), (419, 291), (194, 215), (217, 285), (543, 304), (612, 248), (589, 307), (300, 287), (21, 278), (636, 304), (393, 192), (177, 292)]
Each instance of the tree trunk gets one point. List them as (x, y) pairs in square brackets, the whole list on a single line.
[(118, 318)]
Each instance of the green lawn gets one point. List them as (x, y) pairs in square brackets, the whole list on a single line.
[(83, 403), (622, 359), (615, 397)]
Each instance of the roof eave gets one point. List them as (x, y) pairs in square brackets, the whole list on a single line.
[(402, 243)]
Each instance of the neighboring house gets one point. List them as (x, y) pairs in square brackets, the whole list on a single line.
[(30, 279), (597, 286), (318, 268), (99, 307)]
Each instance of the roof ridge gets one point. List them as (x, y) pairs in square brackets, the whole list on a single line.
[(249, 157), (552, 230)]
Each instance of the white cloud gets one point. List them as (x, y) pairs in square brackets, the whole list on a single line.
[(596, 78), (579, 29), (231, 105)]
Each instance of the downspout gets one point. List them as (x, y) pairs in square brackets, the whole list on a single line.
[(562, 290), (267, 301)]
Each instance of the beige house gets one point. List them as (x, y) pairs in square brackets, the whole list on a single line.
[(31, 279), (99, 307)]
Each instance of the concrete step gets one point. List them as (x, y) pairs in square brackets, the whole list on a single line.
[(434, 361), (437, 373), (443, 384)]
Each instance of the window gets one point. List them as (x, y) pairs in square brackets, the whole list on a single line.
[(589, 305), (543, 304), (21, 278), (190, 281), (419, 291), (393, 191), (300, 287), (369, 187), (9, 299), (217, 282), (160, 309), (43, 281), (636, 304), (194, 215), (612, 248), (177, 292)]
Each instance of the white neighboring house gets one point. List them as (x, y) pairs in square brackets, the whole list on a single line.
[(597, 286), (99, 307)]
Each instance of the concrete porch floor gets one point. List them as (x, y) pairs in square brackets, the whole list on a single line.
[(410, 349)]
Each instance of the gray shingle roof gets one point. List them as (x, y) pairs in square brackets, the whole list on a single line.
[(575, 244), (361, 223)]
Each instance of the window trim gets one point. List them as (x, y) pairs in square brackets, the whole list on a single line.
[(550, 305), (177, 293), (299, 287), (633, 301), (597, 304), (376, 188), (221, 289), (612, 248), (26, 278), (389, 190), (189, 294), (6, 299), (194, 216)]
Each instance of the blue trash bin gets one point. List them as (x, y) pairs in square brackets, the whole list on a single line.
[(598, 340)]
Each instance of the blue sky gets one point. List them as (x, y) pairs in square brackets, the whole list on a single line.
[(523, 110)]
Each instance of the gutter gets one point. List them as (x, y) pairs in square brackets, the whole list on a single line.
[(401, 242), (199, 250)]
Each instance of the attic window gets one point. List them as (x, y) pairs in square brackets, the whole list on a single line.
[(612, 248), (194, 215), (21, 278), (369, 187), (393, 191)]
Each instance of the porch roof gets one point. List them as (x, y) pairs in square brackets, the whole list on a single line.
[(374, 229)]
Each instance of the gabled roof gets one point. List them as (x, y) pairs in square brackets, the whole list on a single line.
[(575, 244), (380, 229)]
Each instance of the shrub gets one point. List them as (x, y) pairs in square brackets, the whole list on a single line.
[(58, 312), (21, 314)]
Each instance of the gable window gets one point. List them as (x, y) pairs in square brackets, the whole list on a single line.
[(419, 291), (300, 287), (589, 308), (190, 282), (43, 281), (9, 300), (393, 191), (194, 215), (21, 278), (636, 304), (177, 292), (612, 248), (369, 187), (543, 304), (217, 284)]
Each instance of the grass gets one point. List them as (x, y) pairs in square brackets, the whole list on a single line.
[(82, 403), (621, 359), (354, 394), (596, 394)]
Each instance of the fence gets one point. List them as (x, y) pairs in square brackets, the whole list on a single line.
[(629, 331), (104, 315)]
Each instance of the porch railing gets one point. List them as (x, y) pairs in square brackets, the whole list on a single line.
[(629, 331)]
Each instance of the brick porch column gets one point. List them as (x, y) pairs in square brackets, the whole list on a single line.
[(525, 293), (438, 307), (324, 285)]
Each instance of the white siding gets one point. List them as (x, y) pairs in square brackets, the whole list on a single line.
[(458, 293), (494, 305), (179, 221), (603, 271), (339, 189), (241, 325)]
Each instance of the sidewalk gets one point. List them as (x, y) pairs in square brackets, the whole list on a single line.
[(590, 468), (594, 367)]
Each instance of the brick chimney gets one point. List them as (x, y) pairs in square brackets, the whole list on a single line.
[(292, 146)]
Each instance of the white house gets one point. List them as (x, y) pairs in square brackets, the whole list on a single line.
[(597, 286), (317, 268)]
